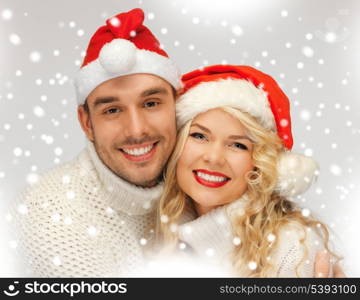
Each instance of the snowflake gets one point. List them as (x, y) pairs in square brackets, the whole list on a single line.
[(164, 219), (56, 217), (305, 212), (58, 151), (173, 227), (308, 152), (210, 252), (236, 241), (14, 39), (309, 36), (182, 246), (335, 170), (307, 51), (7, 14), (237, 30), (67, 221), (330, 37), (13, 244), (284, 13), (271, 237), (252, 265), (38, 111), (65, 179), (195, 20), (56, 261), (305, 115), (92, 231), (300, 65), (80, 32), (18, 151), (22, 209), (70, 195), (32, 178), (35, 56)]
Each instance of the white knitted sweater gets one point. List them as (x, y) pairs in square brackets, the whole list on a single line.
[(80, 219), (211, 240)]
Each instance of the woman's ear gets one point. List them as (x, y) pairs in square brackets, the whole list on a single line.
[(85, 122)]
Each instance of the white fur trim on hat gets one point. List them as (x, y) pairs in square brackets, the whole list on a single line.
[(296, 173), (118, 58), (239, 93)]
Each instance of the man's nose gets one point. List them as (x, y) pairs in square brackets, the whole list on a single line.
[(136, 124), (215, 154)]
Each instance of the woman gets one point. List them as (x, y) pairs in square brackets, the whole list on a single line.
[(232, 164)]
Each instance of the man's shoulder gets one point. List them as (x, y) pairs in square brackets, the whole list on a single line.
[(58, 180)]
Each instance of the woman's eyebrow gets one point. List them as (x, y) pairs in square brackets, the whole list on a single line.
[(240, 137), (201, 127)]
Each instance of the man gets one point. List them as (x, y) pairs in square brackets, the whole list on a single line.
[(92, 216)]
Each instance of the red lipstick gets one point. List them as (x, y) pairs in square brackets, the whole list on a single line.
[(211, 184)]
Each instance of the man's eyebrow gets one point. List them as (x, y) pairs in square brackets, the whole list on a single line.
[(105, 100), (153, 91)]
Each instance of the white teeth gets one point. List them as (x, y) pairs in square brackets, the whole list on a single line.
[(208, 177), (138, 151)]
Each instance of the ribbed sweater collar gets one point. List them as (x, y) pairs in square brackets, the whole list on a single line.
[(122, 195)]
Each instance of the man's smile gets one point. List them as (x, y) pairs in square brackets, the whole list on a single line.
[(139, 152)]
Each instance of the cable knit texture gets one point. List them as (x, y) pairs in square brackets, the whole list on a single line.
[(80, 219), (210, 236)]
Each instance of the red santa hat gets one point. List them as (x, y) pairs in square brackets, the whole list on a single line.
[(121, 47), (258, 94)]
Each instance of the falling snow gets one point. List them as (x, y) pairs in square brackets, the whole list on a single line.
[(7, 14), (35, 56), (237, 30), (14, 39), (324, 116)]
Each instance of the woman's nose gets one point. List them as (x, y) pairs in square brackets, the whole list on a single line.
[(214, 154)]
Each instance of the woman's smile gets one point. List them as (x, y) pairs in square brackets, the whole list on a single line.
[(210, 179)]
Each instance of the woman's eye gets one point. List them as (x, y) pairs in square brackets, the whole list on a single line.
[(240, 146), (198, 136)]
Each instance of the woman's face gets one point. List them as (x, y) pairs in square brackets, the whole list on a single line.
[(216, 157)]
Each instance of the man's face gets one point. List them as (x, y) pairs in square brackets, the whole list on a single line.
[(131, 120)]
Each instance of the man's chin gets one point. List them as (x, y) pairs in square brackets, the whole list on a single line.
[(144, 182), (141, 180)]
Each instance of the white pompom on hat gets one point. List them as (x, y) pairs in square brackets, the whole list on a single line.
[(123, 46), (258, 94)]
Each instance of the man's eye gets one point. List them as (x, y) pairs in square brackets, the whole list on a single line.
[(240, 146), (151, 104), (198, 136), (112, 111)]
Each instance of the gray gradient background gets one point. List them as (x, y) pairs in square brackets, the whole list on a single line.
[(324, 92)]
